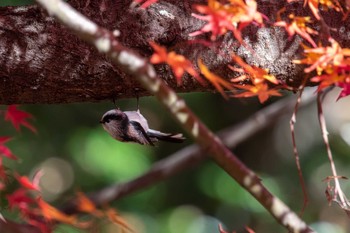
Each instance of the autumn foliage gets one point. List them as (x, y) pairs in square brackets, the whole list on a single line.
[(27, 199), (330, 60), (327, 64)]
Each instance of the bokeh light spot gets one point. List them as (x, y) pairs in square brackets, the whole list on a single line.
[(101, 155)]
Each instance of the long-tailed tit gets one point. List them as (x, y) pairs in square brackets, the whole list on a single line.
[(131, 126)]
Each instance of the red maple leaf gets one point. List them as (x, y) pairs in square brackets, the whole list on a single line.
[(2, 173), (19, 199), (26, 183), (326, 4), (234, 16), (219, 21), (18, 118), (323, 58), (4, 150), (256, 74), (114, 217), (261, 90), (146, 3), (332, 64), (298, 26), (178, 63), (219, 83), (345, 89), (327, 80)]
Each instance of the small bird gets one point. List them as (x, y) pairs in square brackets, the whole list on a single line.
[(131, 126)]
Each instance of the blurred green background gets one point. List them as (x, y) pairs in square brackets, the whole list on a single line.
[(77, 154)]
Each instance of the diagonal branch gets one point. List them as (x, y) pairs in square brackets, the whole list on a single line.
[(192, 155), (138, 68), (183, 159)]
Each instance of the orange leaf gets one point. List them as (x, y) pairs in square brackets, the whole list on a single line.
[(86, 205), (26, 183), (227, 17), (159, 55), (326, 4), (51, 213), (114, 217), (327, 80), (250, 14), (218, 18), (261, 90), (256, 74), (178, 63), (313, 5), (217, 81), (322, 58), (298, 26)]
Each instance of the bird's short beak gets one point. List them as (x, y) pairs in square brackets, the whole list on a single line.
[(101, 122)]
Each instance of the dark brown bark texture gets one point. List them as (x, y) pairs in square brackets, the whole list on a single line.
[(42, 62)]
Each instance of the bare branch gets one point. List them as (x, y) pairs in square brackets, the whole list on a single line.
[(334, 193), (193, 154), (137, 67), (292, 122)]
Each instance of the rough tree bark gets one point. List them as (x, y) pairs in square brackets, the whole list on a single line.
[(42, 62)]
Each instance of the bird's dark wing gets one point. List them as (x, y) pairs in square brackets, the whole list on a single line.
[(140, 134)]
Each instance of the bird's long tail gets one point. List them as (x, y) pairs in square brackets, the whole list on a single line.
[(168, 137)]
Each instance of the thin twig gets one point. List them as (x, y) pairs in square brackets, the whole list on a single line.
[(295, 149), (337, 193), (140, 69)]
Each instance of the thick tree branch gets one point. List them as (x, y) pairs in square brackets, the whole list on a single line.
[(42, 62), (138, 68)]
